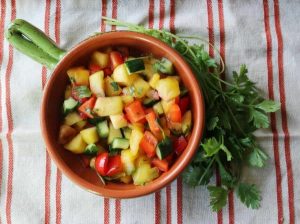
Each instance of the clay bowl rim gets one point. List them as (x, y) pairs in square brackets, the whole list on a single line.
[(181, 162)]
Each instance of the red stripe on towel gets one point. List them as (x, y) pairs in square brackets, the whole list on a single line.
[(2, 25), (287, 148), (172, 15), (114, 12), (179, 200), (157, 207), (273, 118), (9, 187), (48, 161), (151, 14), (58, 173), (103, 13), (118, 211), (161, 14), (106, 211)]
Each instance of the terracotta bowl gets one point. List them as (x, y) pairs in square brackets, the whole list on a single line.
[(71, 164)]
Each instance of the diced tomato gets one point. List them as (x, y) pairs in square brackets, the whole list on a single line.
[(85, 160), (153, 124), (114, 166), (115, 59), (94, 68), (107, 71), (174, 114), (180, 144), (148, 144), (184, 104), (161, 164), (83, 116), (101, 163), (86, 107), (135, 112)]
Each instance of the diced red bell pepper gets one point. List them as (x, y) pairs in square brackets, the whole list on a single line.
[(162, 165), (180, 144), (148, 144), (153, 124), (174, 114), (86, 107), (114, 166), (94, 68), (83, 116), (135, 112), (107, 71), (101, 163), (115, 59), (184, 103)]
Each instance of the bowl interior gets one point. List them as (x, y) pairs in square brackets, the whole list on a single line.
[(70, 164)]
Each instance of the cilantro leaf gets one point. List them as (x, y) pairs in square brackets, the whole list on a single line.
[(249, 195), (211, 146), (228, 153), (260, 119), (212, 123), (82, 91), (218, 197), (268, 106), (115, 86), (257, 158)]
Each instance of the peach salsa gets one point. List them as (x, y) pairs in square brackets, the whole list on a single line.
[(129, 116)]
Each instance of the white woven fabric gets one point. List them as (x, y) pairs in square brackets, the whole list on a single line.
[(263, 34)]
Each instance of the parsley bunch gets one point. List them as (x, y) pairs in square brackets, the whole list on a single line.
[(234, 110)]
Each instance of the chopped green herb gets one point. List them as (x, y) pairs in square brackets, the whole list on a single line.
[(82, 91), (235, 110), (115, 86)]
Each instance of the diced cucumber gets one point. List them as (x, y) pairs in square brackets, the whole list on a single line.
[(135, 65), (164, 66), (120, 143), (164, 148), (102, 129), (187, 122), (149, 102), (95, 120), (158, 108), (69, 105), (126, 132), (113, 133), (91, 149)]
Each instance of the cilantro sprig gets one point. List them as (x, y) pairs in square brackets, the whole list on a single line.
[(235, 110)]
